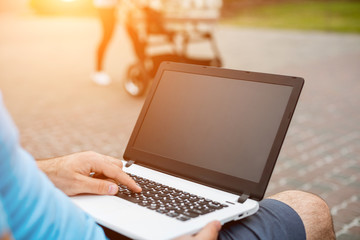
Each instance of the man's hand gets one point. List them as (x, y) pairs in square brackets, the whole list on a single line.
[(71, 174), (209, 232)]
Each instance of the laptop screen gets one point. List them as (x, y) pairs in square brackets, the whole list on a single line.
[(219, 127), (217, 123)]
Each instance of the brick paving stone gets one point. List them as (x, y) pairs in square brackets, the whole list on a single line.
[(346, 215), (355, 231), (350, 230), (58, 110), (348, 237), (338, 226)]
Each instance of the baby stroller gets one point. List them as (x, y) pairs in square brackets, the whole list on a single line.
[(162, 30)]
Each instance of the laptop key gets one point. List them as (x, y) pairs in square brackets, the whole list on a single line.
[(162, 211), (190, 214), (144, 203), (172, 214), (183, 218), (209, 210), (214, 205), (196, 211), (126, 197), (153, 206)]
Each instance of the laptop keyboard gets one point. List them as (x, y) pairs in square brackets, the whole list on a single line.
[(167, 200)]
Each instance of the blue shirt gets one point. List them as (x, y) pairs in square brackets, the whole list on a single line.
[(4, 228), (32, 207)]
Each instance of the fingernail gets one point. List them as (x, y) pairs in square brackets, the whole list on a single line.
[(218, 226), (113, 189)]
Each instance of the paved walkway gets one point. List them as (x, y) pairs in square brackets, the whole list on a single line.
[(45, 65)]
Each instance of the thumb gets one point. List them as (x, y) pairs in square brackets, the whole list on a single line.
[(97, 186), (210, 231)]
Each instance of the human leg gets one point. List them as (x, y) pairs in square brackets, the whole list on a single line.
[(312, 210), (286, 215), (108, 20)]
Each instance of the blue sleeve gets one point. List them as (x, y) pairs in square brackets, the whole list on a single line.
[(34, 207), (4, 227)]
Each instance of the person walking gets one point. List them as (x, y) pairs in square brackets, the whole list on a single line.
[(107, 10)]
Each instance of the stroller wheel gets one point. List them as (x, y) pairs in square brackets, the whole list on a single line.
[(136, 81)]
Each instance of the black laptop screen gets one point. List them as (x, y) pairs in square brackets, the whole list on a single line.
[(221, 124)]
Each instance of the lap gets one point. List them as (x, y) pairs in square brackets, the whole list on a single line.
[(274, 220)]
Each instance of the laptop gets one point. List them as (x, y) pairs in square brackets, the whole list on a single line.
[(203, 148)]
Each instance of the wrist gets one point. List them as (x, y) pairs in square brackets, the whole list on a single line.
[(48, 167), (54, 169)]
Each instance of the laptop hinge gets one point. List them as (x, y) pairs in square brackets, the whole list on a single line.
[(129, 163), (243, 197)]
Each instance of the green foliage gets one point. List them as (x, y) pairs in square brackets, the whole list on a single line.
[(336, 16)]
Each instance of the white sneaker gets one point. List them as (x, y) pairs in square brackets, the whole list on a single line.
[(101, 78)]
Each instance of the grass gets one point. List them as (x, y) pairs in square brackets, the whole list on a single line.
[(334, 16)]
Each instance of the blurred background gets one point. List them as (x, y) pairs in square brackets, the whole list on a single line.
[(48, 57)]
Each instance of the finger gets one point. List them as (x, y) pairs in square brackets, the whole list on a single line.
[(106, 167), (126, 180), (115, 161), (210, 231), (97, 186), (110, 180)]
